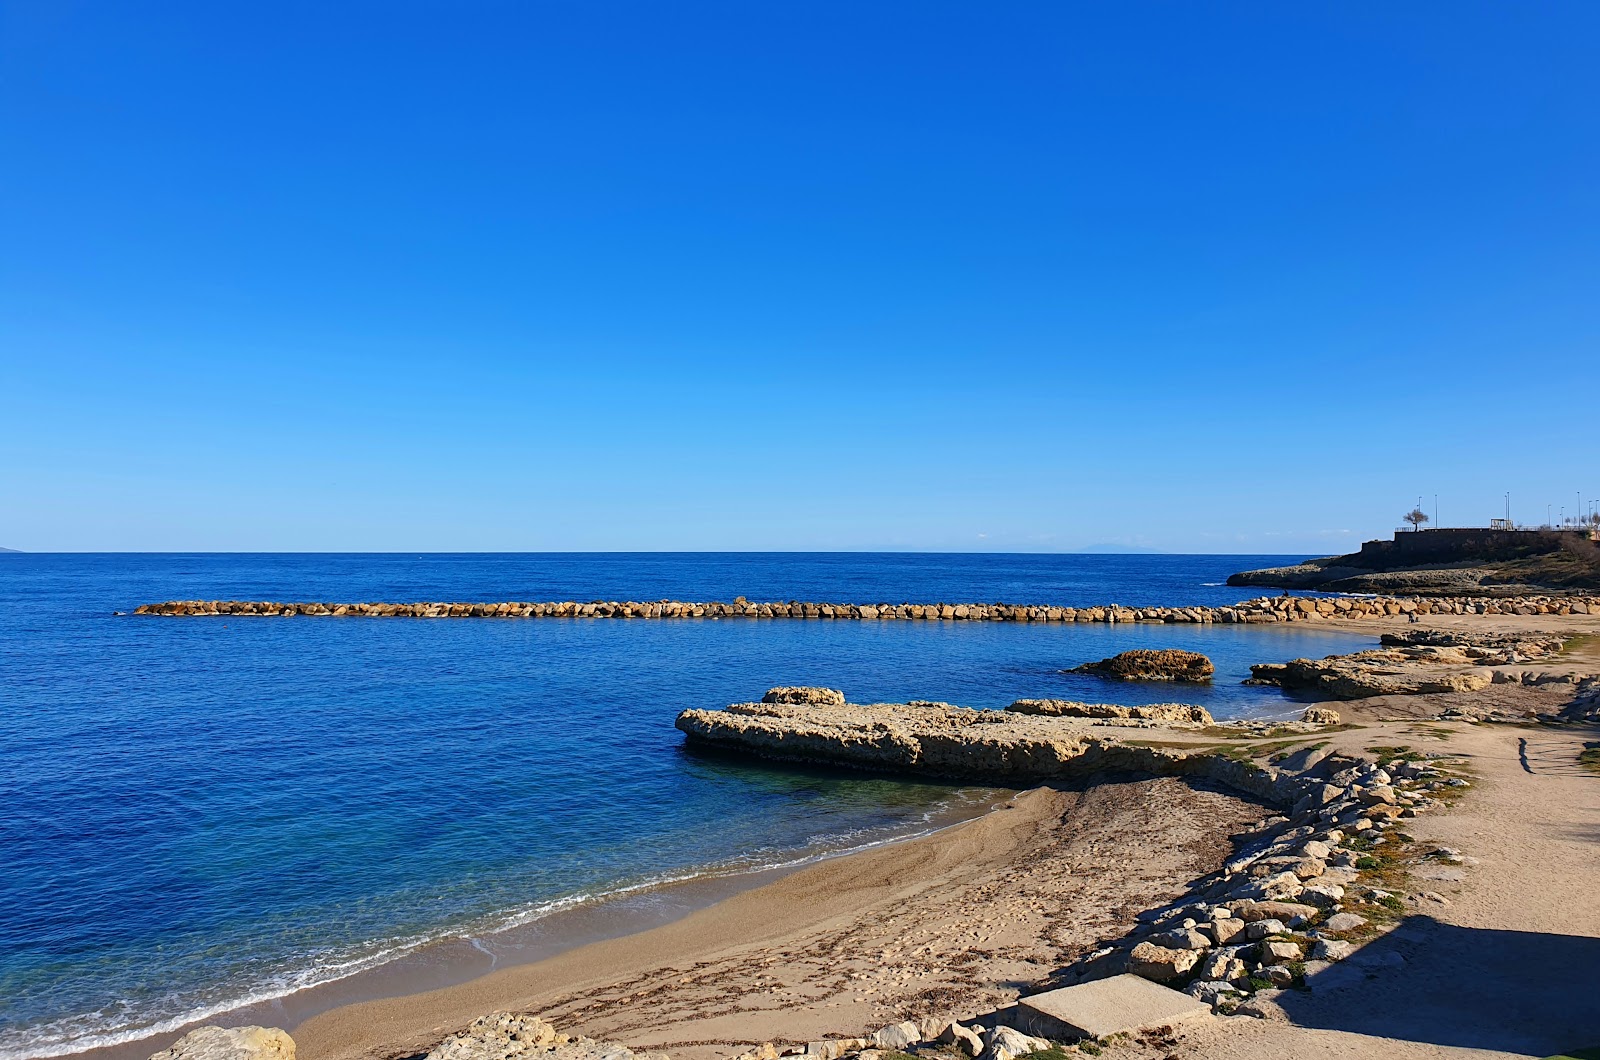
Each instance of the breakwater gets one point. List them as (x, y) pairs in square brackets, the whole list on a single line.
[(1262, 609)]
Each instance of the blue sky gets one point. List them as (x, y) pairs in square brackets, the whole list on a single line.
[(429, 276)]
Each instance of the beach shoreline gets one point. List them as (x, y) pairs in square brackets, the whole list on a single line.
[(768, 963)]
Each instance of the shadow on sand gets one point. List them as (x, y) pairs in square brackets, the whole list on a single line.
[(1515, 991)]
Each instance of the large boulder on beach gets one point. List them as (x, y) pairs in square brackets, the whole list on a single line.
[(1185, 713), (822, 697), (230, 1043), (1145, 664)]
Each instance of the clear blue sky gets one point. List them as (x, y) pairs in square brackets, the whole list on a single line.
[(1218, 278)]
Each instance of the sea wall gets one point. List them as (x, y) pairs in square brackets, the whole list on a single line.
[(1467, 545), (1263, 609)]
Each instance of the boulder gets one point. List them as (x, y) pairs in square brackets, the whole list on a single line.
[(230, 1043), (1320, 716), (963, 1038), (1250, 912), (1275, 951), (1007, 1043), (1161, 964), (1332, 950), (1143, 664), (900, 1036), (1340, 922)]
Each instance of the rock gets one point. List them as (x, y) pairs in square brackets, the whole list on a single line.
[(967, 1040), (1226, 930), (1322, 894), (1314, 849), (231, 1043), (1143, 664), (1320, 716), (1007, 1043), (1262, 928), (1186, 713), (824, 697), (504, 1035), (901, 1036), (1161, 964), (1263, 1006), (1341, 922), (1287, 912), (1282, 886), (1277, 974), (1182, 939), (1274, 951), (1212, 991), (1332, 949), (1377, 794), (1225, 966)]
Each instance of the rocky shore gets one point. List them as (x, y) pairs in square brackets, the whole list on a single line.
[(1263, 609)]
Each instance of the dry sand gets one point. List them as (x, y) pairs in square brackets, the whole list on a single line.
[(959, 921)]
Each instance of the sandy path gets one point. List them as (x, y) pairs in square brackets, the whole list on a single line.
[(959, 921), (1508, 968)]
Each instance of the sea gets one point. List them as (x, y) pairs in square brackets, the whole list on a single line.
[(201, 813)]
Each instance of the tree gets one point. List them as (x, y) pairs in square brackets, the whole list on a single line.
[(1416, 517)]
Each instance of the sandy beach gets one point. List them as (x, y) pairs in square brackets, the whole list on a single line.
[(960, 921)]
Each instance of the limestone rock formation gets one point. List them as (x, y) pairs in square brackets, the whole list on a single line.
[(829, 697), (230, 1043), (1184, 713), (1145, 664)]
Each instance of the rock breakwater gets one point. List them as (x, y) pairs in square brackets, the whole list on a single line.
[(1261, 609)]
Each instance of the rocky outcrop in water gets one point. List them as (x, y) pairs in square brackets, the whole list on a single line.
[(1146, 664), (959, 743), (230, 1043), (1264, 609), (1181, 713), (1412, 662)]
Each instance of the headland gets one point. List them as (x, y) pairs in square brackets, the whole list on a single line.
[(1499, 561)]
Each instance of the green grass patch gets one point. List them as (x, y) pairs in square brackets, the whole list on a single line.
[(1055, 1052), (1589, 757), (1396, 753)]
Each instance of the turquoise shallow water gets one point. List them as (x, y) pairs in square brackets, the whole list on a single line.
[(203, 811)]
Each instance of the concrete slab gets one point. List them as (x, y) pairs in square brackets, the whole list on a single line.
[(1106, 1006)]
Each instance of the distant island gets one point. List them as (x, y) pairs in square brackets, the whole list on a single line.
[(1500, 560), (13, 551)]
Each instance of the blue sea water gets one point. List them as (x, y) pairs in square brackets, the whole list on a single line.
[(196, 812)]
